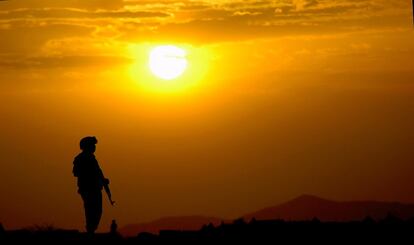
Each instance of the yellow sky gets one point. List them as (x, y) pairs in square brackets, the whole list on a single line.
[(280, 98)]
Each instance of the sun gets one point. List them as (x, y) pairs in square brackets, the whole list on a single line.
[(168, 68), (167, 62)]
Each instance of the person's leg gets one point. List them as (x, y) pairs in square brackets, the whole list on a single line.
[(93, 209), (97, 209), (88, 206)]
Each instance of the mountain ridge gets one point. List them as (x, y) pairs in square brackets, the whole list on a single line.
[(303, 207)]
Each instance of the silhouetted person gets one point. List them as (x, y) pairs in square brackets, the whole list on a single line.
[(114, 228), (90, 182)]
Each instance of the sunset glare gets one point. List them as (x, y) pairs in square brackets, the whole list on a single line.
[(167, 62)]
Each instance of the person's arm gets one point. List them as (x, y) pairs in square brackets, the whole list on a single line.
[(105, 181)]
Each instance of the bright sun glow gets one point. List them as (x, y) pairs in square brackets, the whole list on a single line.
[(168, 68), (167, 62)]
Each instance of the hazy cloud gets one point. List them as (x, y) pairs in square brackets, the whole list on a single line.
[(109, 23), (47, 62), (68, 13)]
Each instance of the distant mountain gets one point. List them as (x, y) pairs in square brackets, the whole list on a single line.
[(169, 223), (305, 207)]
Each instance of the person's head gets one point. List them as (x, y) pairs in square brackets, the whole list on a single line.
[(88, 143)]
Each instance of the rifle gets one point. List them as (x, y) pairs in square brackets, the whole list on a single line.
[(108, 191)]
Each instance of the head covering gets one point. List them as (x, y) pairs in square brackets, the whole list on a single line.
[(87, 142)]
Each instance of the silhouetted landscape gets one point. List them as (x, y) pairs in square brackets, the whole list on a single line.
[(305, 207), (192, 223), (306, 218)]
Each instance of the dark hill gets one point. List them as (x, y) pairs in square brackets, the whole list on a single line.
[(305, 207)]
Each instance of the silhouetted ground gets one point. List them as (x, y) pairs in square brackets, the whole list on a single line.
[(388, 231)]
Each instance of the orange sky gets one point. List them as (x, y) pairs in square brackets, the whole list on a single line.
[(281, 98)]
